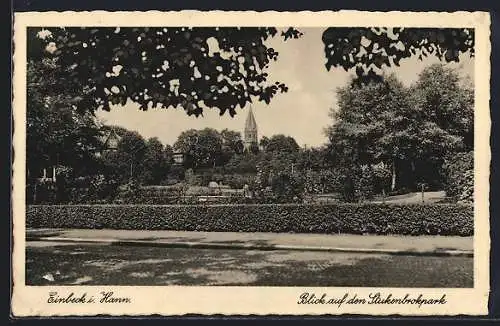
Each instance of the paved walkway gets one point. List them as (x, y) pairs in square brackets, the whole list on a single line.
[(415, 198), (438, 245)]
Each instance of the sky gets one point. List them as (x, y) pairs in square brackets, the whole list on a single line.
[(302, 112)]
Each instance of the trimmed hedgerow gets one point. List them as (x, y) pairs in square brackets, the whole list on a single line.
[(416, 219)]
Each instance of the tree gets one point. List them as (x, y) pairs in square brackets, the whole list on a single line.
[(459, 176), (254, 148), (276, 171), (170, 66), (312, 158), (168, 154), (232, 144), (219, 67), (264, 141), (282, 143), (155, 162), (410, 130), (446, 115), (56, 133), (442, 100), (127, 161), (202, 148), (232, 140), (371, 127), (243, 164), (368, 49)]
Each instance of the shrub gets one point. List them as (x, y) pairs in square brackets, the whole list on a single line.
[(135, 194), (459, 176), (277, 184), (287, 188), (192, 179), (41, 193), (67, 189), (204, 177), (238, 181), (381, 178), (170, 182), (416, 219), (322, 182), (364, 183)]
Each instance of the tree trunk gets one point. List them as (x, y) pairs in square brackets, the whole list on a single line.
[(393, 181), (34, 192), (414, 178)]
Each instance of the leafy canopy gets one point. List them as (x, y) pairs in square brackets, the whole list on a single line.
[(201, 148), (281, 143), (369, 49), (170, 67), (416, 127), (56, 133), (222, 68)]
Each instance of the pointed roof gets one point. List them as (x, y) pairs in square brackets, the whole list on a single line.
[(250, 123), (112, 139)]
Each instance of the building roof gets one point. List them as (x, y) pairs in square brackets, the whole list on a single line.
[(111, 140), (250, 123)]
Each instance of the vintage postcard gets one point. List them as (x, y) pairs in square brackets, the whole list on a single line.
[(244, 163)]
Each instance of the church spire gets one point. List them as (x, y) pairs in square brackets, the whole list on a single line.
[(251, 137), (250, 123)]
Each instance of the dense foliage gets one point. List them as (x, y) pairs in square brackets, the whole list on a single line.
[(174, 67), (459, 172), (409, 131), (57, 133), (345, 218), (217, 67), (369, 49), (208, 147), (386, 136), (280, 143)]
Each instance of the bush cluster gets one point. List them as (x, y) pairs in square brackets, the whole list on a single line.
[(153, 191), (416, 219), (459, 175), (183, 200), (90, 189), (41, 193), (177, 194), (234, 181)]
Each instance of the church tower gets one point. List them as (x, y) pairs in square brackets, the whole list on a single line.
[(250, 134)]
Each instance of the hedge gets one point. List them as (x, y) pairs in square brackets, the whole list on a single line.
[(416, 219), (183, 200), (459, 171)]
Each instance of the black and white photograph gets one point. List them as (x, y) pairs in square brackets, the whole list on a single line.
[(233, 157)]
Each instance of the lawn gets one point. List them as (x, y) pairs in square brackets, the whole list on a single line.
[(48, 263)]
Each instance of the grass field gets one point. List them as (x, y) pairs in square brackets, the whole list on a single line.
[(47, 263)]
